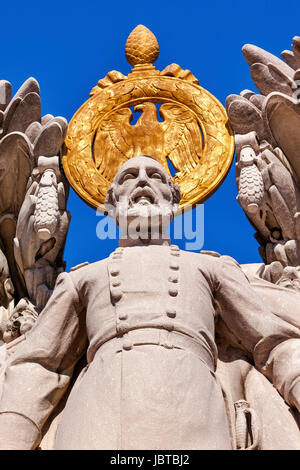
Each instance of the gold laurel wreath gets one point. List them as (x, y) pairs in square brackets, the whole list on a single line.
[(194, 135)]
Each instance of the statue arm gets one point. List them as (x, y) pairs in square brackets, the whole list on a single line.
[(39, 372), (273, 343)]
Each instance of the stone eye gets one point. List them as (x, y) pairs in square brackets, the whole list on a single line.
[(156, 175), (128, 176)]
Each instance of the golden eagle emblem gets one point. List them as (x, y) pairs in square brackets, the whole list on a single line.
[(178, 138)]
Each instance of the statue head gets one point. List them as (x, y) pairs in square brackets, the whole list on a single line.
[(142, 192)]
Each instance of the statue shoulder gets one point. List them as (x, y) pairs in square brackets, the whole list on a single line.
[(219, 260), (86, 266), (225, 258), (229, 260), (205, 261), (78, 266), (210, 253), (88, 270)]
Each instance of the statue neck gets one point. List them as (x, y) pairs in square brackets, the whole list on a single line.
[(127, 242)]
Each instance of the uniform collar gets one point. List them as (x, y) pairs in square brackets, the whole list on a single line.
[(127, 242)]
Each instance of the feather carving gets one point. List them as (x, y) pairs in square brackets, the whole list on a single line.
[(183, 138), (178, 137)]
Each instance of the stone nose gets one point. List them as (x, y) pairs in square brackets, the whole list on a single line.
[(142, 179), (142, 183)]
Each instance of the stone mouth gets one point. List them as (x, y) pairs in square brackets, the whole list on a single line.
[(143, 196)]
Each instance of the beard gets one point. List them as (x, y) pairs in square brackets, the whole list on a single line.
[(144, 221)]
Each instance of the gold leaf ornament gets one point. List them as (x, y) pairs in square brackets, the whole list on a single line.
[(194, 133)]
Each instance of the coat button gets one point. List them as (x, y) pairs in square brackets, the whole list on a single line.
[(115, 272), (123, 316), (173, 292), (174, 266), (173, 278), (116, 294), (127, 344), (171, 313), (116, 283), (122, 328)]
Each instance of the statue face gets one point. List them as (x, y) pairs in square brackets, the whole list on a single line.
[(142, 189), (143, 181)]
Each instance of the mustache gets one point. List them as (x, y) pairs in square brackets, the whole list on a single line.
[(143, 192)]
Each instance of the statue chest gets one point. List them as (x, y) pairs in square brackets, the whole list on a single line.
[(158, 283), (156, 287), (140, 269)]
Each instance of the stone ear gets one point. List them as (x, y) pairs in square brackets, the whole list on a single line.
[(176, 194), (110, 200)]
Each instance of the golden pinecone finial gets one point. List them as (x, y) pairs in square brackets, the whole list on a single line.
[(141, 46)]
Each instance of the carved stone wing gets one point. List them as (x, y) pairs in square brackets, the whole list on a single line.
[(15, 168)]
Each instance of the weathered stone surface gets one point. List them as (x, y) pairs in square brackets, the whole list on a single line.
[(33, 263), (275, 170), (5, 94), (148, 329), (153, 347)]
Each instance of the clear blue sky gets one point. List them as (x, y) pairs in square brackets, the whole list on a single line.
[(68, 46)]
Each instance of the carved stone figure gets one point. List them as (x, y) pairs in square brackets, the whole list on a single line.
[(268, 173), (266, 127), (146, 316), (153, 347), (33, 217)]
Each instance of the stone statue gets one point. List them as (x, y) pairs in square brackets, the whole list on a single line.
[(146, 316), (153, 347), (266, 129), (266, 126)]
